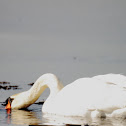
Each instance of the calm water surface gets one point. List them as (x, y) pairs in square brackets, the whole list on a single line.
[(34, 116)]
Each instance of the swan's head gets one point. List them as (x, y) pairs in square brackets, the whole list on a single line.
[(17, 101), (8, 103)]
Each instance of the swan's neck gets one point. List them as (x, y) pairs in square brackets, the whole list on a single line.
[(47, 80)]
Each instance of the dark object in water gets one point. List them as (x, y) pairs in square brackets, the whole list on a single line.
[(5, 87), (31, 84), (14, 87), (3, 103), (40, 103), (75, 125), (4, 82), (8, 87)]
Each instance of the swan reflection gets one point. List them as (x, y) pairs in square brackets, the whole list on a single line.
[(26, 117), (21, 117), (59, 120)]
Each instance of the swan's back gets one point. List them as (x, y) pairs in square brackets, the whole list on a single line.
[(117, 79), (86, 94)]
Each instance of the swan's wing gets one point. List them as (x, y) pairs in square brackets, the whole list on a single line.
[(86, 94), (115, 79)]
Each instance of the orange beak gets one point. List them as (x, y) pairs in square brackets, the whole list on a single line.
[(8, 106)]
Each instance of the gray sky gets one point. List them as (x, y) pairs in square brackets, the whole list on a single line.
[(70, 38)]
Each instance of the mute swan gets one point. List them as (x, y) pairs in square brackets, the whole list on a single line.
[(85, 97)]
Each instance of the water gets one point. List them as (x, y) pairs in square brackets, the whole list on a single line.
[(34, 116), (21, 117)]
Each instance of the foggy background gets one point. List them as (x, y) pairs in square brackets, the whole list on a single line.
[(70, 38)]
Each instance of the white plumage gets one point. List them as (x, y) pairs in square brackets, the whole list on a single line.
[(102, 95)]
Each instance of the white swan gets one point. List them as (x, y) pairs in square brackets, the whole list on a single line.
[(85, 97)]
